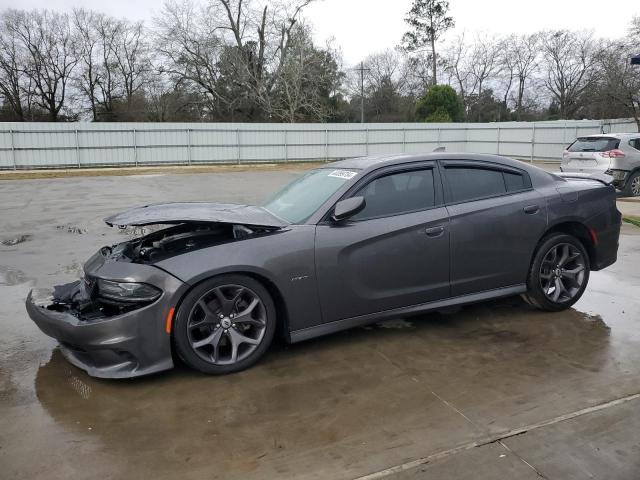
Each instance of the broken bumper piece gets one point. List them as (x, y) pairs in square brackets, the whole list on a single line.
[(123, 345)]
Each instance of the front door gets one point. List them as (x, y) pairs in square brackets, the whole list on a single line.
[(394, 253)]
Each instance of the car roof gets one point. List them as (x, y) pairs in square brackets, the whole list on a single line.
[(377, 161), (609, 135)]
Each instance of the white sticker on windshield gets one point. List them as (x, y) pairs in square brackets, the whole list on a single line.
[(346, 174)]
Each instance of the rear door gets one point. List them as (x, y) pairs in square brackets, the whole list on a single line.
[(394, 253), (496, 219)]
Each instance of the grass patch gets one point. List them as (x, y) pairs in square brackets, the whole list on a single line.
[(632, 220)]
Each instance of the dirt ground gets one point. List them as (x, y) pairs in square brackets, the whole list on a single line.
[(494, 390)]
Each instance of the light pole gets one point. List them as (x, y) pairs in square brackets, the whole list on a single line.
[(361, 69)]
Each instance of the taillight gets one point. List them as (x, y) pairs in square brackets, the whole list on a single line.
[(613, 154)]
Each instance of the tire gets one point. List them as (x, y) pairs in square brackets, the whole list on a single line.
[(225, 324), (551, 284), (632, 187)]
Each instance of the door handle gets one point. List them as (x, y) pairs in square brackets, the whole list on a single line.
[(531, 209), (434, 231)]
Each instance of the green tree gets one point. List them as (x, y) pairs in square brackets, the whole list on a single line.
[(428, 20), (440, 104)]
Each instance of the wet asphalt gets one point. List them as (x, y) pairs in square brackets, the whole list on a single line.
[(494, 390)]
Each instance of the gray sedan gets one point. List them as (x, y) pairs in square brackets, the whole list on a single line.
[(345, 245)]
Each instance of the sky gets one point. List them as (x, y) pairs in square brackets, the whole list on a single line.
[(363, 27)]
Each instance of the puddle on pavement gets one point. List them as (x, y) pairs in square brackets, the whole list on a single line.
[(11, 276), (492, 348), (396, 324), (10, 242), (74, 268), (615, 302), (72, 229)]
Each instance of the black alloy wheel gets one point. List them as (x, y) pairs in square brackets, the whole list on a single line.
[(559, 273)]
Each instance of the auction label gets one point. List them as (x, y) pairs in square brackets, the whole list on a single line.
[(346, 174)]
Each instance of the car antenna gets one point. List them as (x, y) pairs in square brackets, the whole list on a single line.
[(439, 149)]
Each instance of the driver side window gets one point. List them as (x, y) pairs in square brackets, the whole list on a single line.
[(397, 193)]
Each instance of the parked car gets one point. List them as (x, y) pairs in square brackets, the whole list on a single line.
[(351, 243), (616, 154)]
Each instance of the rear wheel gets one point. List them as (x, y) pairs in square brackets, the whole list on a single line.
[(225, 324), (632, 188), (559, 273)]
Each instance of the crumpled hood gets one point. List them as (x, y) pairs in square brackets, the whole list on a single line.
[(174, 213)]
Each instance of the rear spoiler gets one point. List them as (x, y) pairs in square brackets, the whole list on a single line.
[(598, 177)]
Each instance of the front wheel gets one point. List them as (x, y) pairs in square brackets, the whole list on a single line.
[(559, 273), (225, 324)]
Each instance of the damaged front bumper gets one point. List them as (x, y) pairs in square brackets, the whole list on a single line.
[(124, 344)]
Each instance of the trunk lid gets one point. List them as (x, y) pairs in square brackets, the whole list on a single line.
[(199, 212), (602, 178)]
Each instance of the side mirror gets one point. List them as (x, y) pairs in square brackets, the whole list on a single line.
[(347, 208)]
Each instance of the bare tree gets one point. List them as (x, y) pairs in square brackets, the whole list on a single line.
[(109, 87), (389, 66), (88, 76), (306, 79), (263, 40), (418, 70), (390, 89), (233, 37), (485, 62), (131, 55), (12, 65), (456, 66), (192, 49), (113, 61), (52, 56), (569, 58), (252, 60), (523, 50), (170, 102), (620, 81), (507, 74)]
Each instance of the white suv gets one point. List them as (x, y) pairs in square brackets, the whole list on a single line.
[(616, 154)]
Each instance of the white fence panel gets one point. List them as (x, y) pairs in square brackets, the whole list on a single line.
[(55, 145)]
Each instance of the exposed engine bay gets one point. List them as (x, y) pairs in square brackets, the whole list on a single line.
[(180, 239), (93, 298)]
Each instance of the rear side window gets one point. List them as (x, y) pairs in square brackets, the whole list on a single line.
[(514, 181), (470, 183), (397, 193), (594, 144), (635, 143), (467, 183)]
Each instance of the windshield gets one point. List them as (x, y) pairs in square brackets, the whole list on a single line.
[(594, 144), (301, 198)]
